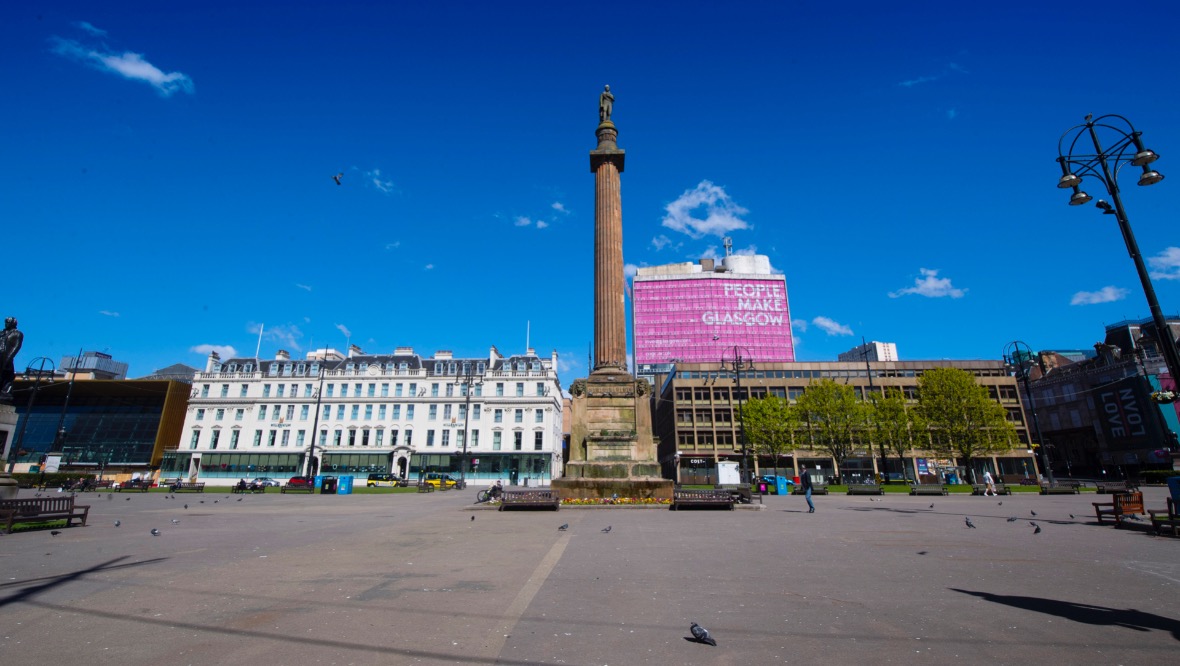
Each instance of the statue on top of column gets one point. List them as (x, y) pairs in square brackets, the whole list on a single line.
[(606, 102), (10, 343)]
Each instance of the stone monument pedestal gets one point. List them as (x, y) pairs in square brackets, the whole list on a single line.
[(612, 451), (8, 485)]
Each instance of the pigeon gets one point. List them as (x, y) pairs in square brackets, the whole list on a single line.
[(186, 506), (203, 501), (1037, 530), (240, 499), (155, 532), (1033, 524), (55, 532), (128, 499), (969, 523), (337, 178), (118, 523), (175, 521), (216, 501), (1034, 513), (473, 519), (1013, 519), (999, 504), (701, 634), (606, 529), (1071, 517), (931, 506), (564, 527)]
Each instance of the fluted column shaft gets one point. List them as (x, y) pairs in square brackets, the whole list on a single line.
[(610, 323)]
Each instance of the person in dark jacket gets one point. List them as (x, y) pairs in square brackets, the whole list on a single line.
[(805, 481)]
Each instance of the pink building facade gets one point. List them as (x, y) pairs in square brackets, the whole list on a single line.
[(696, 317)]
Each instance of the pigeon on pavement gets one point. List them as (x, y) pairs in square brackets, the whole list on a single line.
[(473, 519), (1034, 513), (701, 634), (564, 527), (969, 523), (118, 523), (55, 532), (186, 506), (606, 529), (175, 521), (155, 532), (1037, 530), (931, 506)]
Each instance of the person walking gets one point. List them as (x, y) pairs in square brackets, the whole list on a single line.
[(805, 481), (990, 482)]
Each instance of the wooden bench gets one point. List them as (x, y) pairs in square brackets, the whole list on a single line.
[(1167, 518), (308, 488), (1112, 487), (865, 489), (1061, 488), (817, 488), (981, 488), (36, 509), (424, 487), (133, 487), (103, 483), (928, 489), (717, 497), (243, 488), (188, 487), (1124, 504), (533, 499)]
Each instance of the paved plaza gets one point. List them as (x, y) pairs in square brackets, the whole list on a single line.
[(412, 579)]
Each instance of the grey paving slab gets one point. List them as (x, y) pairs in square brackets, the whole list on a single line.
[(405, 579)]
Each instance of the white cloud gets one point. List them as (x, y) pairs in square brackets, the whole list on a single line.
[(428, 267), (1166, 265), (660, 242), (224, 351), (129, 65), (559, 207), (344, 329), (286, 336), (720, 215), (949, 69), (522, 221), (1103, 295), (393, 246), (799, 324), (909, 83), (375, 180), (108, 313), (303, 286), (83, 25), (831, 326), (931, 286), (541, 224)]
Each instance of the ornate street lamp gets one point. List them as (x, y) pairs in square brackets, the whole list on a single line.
[(467, 379), (1020, 361), (1105, 165), (734, 361), (313, 464)]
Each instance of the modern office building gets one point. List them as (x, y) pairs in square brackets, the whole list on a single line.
[(121, 426), (93, 365), (870, 351), (693, 313), (361, 413), (697, 419)]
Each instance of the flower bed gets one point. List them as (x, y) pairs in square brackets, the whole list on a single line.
[(604, 501)]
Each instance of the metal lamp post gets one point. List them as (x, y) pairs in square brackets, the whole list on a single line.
[(1020, 360), (24, 424), (312, 467), (738, 363), (1105, 166), (467, 380)]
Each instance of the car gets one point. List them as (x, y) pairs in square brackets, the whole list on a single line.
[(383, 481), (301, 481), (437, 479), (265, 481)]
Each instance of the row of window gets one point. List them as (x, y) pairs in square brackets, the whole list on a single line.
[(722, 395), (370, 390), (438, 368), (449, 412), (362, 437)]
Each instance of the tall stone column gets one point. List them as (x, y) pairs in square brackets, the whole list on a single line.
[(610, 323)]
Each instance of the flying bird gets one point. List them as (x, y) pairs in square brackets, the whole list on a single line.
[(564, 527), (337, 178), (969, 523), (701, 634), (155, 532), (55, 532), (1037, 530), (606, 529)]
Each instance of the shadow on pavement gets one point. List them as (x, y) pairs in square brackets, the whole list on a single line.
[(1085, 613)]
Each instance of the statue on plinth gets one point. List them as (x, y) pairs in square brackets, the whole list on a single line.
[(10, 343), (606, 103)]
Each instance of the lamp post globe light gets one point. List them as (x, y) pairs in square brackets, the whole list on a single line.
[(734, 361), (1019, 357), (1105, 165)]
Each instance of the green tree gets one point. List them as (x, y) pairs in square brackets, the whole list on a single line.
[(893, 424), (963, 421), (769, 423), (833, 414)]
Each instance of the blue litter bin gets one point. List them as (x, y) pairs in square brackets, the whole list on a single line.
[(319, 481), (345, 486), (780, 485), (1174, 488)]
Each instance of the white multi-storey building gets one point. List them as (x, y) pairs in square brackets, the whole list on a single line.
[(359, 414), (872, 351)]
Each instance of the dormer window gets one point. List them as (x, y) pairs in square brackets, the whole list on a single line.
[(315, 369), (273, 370), (248, 367)]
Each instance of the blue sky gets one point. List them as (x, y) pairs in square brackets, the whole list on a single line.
[(167, 173)]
